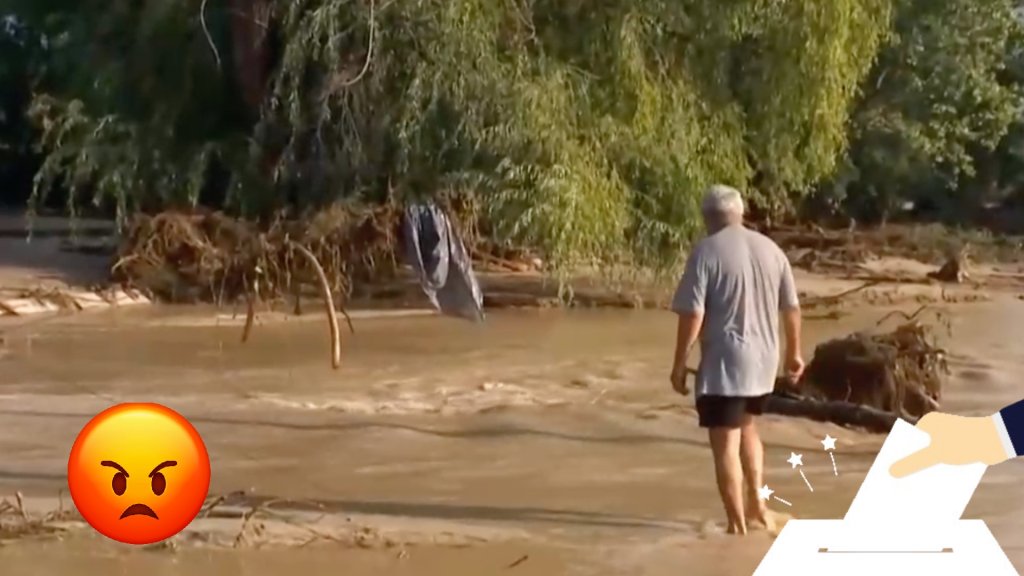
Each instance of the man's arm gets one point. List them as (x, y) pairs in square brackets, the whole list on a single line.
[(789, 305), (688, 303), (792, 322), (686, 336)]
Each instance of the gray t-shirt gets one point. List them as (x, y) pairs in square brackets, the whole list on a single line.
[(740, 279)]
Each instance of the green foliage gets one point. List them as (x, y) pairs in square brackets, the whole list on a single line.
[(19, 53), (585, 129), (937, 98)]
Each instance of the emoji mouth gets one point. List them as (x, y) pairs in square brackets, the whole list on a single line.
[(138, 510)]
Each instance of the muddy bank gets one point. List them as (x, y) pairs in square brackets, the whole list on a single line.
[(59, 269)]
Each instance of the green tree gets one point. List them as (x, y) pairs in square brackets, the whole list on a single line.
[(937, 100), (585, 129), (19, 53)]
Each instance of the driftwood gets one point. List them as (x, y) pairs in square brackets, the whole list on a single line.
[(837, 412), (836, 298)]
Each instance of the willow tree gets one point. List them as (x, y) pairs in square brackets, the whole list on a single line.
[(584, 129)]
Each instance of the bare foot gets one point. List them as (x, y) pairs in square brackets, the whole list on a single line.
[(763, 521), (770, 521), (737, 528), (758, 515)]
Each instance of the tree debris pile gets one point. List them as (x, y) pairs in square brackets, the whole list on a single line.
[(899, 372), (955, 268), (817, 249), (179, 256), (17, 522)]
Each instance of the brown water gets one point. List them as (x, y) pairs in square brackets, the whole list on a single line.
[(463, 448)]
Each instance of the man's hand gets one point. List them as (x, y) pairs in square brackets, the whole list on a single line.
[(678, 379), (956, 440), (794, 367), (686, 335)]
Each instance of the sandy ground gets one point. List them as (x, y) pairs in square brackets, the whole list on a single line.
[(540, 442), (38, 261)]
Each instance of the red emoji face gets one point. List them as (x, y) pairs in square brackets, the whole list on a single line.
[(138, 473)]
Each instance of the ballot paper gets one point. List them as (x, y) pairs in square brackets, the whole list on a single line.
[(936, 495)]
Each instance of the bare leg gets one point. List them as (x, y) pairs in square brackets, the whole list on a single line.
[(725, 446), (752, 456)]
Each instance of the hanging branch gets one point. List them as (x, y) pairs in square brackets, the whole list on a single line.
[(206, 32), (369, 49)]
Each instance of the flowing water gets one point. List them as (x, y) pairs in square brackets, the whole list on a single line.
[(540, 442)]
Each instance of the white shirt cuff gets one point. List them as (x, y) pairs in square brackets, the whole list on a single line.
[(1004, 436)]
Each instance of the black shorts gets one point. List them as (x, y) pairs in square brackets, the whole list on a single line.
[(728, 411)]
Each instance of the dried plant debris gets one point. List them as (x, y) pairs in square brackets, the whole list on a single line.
[(16, 522), (900, 372)]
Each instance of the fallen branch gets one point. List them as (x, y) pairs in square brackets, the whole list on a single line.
[(837, 412), (332, 317), (833, 299)]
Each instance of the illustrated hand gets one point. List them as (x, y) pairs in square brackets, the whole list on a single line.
[(678, 379), (956, 440)]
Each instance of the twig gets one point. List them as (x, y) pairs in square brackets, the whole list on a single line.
[(348, 320), (906, 317), (837, 297), (21, 505), (247, 517), (240, 537), (213, 504), (7, 309), (250, 316), (206, 31), (491, 259), (369, 49)]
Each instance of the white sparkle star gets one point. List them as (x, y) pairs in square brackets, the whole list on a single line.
[(796, 459), (829, 443), (765, 493)]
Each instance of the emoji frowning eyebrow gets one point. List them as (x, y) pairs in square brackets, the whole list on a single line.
[(112, 464), (161, 466)]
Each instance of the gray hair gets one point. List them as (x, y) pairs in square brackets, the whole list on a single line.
[(721, 200)]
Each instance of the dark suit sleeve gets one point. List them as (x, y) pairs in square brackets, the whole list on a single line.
[(1013, 420)]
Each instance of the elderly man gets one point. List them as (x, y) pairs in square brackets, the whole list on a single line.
[(735, 284)]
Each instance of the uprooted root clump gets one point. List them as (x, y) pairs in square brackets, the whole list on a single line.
[(900, 372)]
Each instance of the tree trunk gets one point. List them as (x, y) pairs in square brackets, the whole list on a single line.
[(250, 27)]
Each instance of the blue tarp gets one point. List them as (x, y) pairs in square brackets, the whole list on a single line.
[(435, 251)]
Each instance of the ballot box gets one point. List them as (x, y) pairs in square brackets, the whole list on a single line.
[(896, 526), (841, 548)]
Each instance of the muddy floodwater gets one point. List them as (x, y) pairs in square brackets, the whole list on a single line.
[(540, 442)]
